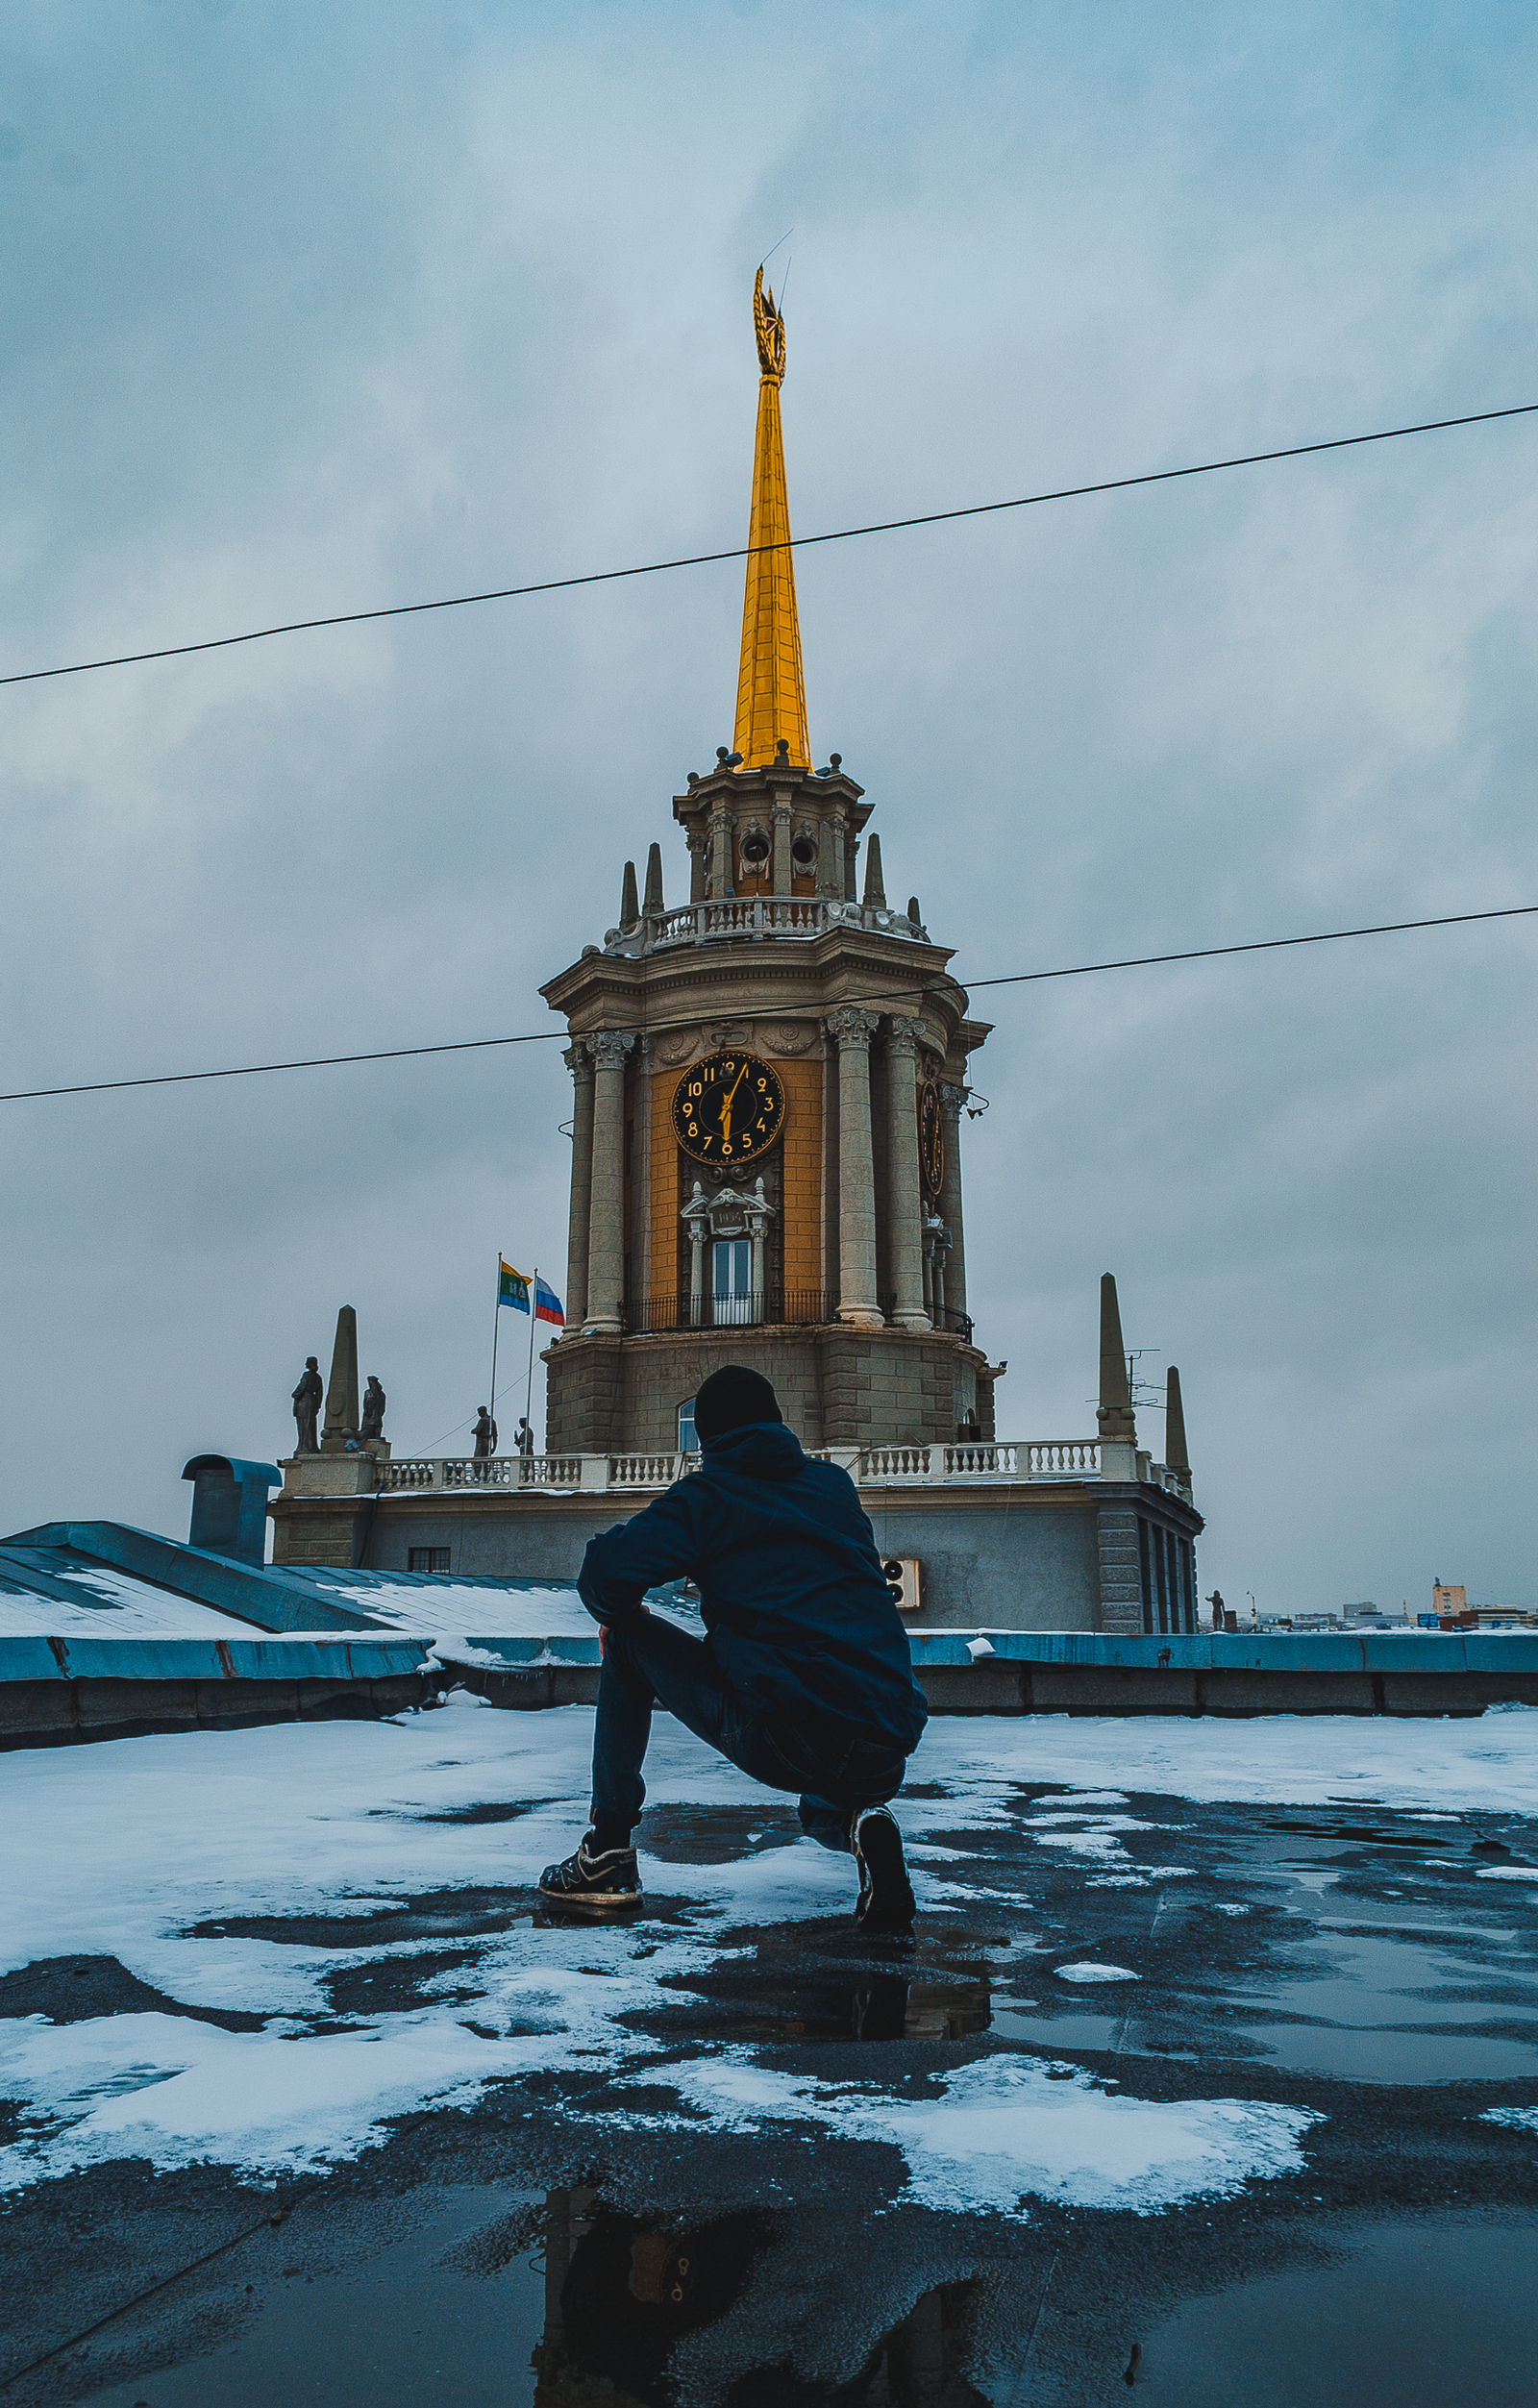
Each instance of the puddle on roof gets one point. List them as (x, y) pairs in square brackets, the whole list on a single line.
[(562, 2302), (502, 2299), (742, 2007), (407, 2326), (1368, 2009), (1015, 2020), (1410, 2316)]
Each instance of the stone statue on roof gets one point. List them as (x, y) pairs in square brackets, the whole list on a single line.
[(372, 1425), (306, 1407)]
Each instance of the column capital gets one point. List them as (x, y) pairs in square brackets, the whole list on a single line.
[(780, 810), (903, 1036), (848, 1025), (609, 1047), (952, 1098), (578, 1060)]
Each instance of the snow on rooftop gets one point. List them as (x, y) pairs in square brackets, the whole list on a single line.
[(425, 1607), (122, 1849), (113, 1605)]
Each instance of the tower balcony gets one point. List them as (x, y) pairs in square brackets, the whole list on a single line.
[(796, 918)]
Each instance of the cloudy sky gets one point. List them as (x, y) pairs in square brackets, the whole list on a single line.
[(309, 308)]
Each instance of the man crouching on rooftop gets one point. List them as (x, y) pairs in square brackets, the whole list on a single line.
[(804, 1678)]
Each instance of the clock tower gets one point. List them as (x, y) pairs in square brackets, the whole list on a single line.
[(768, 1090)]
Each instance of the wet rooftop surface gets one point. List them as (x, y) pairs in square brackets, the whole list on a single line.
[(732, 2189)]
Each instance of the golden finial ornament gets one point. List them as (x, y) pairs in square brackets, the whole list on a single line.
[(770, 328)]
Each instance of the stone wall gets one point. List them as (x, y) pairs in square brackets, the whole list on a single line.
[(837, 1386), (317, 1531)]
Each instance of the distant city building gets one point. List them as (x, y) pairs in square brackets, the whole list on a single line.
[(1448, 1600)]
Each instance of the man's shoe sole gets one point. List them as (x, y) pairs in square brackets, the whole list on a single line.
[(593, 1897), (889, 1905)]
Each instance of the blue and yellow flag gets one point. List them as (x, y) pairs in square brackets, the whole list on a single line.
[(512, 1288)]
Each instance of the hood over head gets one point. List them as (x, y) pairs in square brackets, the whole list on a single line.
[(767, 1451)]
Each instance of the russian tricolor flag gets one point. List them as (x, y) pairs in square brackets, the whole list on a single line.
[(548, 1305)]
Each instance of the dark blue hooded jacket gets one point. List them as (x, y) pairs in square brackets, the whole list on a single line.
[(796, 1608)]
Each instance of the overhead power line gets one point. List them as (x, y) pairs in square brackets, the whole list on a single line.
[(883, 994), (743, 552)]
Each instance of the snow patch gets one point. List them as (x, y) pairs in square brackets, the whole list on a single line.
[(1005, 2129), (1518, 2119)]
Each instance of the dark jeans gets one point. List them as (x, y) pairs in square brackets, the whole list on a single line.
[(650, 1661)]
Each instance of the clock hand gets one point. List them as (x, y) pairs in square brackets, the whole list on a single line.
[(726, 1109)]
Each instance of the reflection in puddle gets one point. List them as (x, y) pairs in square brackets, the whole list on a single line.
[(890, 2009), (620, 2296), (851, 2007)]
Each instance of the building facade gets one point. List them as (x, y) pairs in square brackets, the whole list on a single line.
[(769, 1090)]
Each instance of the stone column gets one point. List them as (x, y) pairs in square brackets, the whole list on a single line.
[(696, 1216), (949, 1207), (579, 1062), (905, 1242), (641, 1177), (937, 1301), (857, 1303), (699, 873), (758, 1214), (605, 1239), (782, 847), (720, 853)]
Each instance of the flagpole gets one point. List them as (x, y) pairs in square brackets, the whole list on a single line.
[(534, 1316), (496, 1324)]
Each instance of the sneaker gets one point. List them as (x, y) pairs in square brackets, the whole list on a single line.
[(886, 1892), (593, 1880)]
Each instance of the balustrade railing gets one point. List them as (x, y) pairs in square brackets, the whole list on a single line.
[(774, 1305), (1035, 1459), (800, 916)]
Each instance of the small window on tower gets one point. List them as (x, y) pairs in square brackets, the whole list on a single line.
[(688, 1444), (428, 1560), (804, 852)]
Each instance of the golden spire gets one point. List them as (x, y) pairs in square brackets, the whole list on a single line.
[(771, 693)]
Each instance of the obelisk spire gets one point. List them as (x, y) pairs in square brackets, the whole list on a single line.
[(771, 692), (1177, 1456), (1115, 1415)]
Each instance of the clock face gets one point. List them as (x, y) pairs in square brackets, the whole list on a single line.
[(932, 1139), (731, 1109)]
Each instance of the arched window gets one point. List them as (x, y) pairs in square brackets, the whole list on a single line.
[(688, 1444)]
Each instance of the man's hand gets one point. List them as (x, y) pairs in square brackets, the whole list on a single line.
[(641, 1607)]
